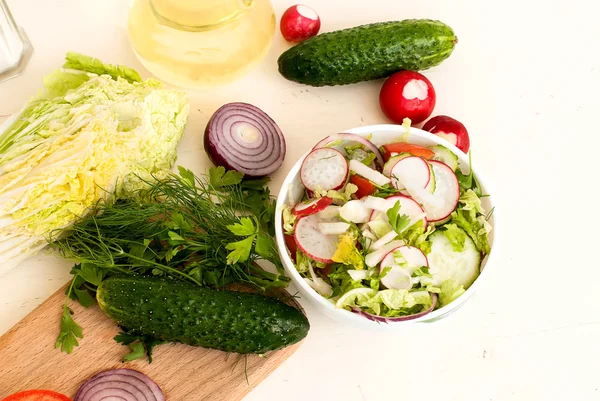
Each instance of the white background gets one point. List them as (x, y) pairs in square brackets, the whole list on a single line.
[(524, 79)]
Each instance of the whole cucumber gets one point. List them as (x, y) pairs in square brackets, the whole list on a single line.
[(177, 311), (368, 52)]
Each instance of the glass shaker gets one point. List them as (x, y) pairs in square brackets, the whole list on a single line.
[(15, 48)]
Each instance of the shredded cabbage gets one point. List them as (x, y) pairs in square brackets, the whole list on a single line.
[(83, 138)]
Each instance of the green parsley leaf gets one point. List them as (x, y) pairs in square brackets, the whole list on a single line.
[(137, 351), (240, 250), (69, 332), (398, 222), (91, 273), (187, 177), (243, 228), (220, 178), (84, 297)]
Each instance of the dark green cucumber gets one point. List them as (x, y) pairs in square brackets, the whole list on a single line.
[(183, 312), (368, 52)]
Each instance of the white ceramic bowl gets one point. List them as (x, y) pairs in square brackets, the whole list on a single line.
[(292, 190)]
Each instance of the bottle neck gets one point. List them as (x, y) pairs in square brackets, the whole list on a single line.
[(199, 15)]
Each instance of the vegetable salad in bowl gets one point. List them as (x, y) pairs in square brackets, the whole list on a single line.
[(386, 223)]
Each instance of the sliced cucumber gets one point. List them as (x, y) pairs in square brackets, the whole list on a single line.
[(445, 156), (446, 263)]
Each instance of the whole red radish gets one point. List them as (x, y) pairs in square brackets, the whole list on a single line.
[(407, 94), (299, 23), (451, 130)]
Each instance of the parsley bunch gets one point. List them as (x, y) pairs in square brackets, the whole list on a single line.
[(210, 230)]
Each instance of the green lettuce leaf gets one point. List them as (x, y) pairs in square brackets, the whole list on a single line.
[(449, 291), (76, 61), (456, 236)]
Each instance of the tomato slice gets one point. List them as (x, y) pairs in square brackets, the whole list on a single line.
[(365, 187), (37, 395), (403, 147), (290, 242)]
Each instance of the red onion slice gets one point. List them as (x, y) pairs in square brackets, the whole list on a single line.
[(353, 138), (242, 137), (382, 319), (123, 384)]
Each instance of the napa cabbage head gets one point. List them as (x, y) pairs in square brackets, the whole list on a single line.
[(93, 132)]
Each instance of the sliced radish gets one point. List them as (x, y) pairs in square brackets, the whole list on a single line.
[(355, 212), (373, 258), (312, 241), (372, 175), (413, 171), (352, 138), (442, 202), (408, 207), (333, 228), (312, 207), (324, 169), (396, 277), (329, 212), (389, 237), (387, 167)]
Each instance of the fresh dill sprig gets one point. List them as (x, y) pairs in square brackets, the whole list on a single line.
[(210, 230)]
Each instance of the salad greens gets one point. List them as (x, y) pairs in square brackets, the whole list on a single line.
[(94, 130), (393, 264)]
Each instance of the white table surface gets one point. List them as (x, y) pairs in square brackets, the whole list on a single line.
[(524, 79)]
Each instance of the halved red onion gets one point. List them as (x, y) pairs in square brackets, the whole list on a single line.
[(382, 319), (242, 137), (353, 138), (120, 384)]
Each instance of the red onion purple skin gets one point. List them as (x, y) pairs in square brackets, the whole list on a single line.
[(218, 160), (121, 373)]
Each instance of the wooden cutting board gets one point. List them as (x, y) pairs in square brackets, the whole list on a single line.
[(28, 359)]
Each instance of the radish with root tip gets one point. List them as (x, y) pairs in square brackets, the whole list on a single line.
[(324, 169), (372, 175), (312, 241), (407, 94), (312, 207)]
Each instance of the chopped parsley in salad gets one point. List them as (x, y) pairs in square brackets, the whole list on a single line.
[(391, 233)]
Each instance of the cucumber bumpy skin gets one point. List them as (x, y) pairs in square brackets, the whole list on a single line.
[(177, 311), (368, 52)]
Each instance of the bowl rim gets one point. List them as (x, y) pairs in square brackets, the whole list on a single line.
[(298, 280)]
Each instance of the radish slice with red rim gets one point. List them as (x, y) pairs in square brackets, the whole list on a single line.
[(352, 138), (312, 241), (324, 169), (311, 207), (125, 384), (413, 171), (382, 319), (442, 202), (242, 137)]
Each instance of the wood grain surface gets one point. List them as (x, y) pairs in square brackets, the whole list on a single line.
[(29, 360)]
